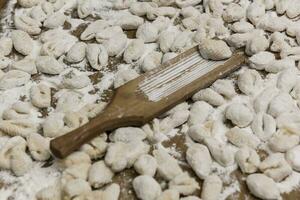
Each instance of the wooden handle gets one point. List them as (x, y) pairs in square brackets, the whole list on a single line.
[(110, 119)]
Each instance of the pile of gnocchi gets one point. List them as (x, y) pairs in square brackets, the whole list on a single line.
[(48, 59)]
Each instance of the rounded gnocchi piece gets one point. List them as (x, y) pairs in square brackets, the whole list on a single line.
[(22, 42), (281, 103), (38, 147), (38, 13), (263, 126), (167, 166), (262, 186), (127, 134), (220, 152), (141, 8), (169, 194), (212, 187), (4, 62), (210, 96), (287, 80), (247, 159), (275, 167), (187, 3), (181, 41), (53, 125), (239, 114), (20, 162), (91, 31), (152, 61), (52, 192), (76, 158), (97, 179), (96, 148), (19, 110), (116, 44), (55, 20), (283, 140), (134, 51), (280, 65), (48, 65), (97, 56), (291, 157), (199, 113), (27, 65), (76, 53), (130, 22), (5, 46), (40, 95), (147, 32), (146, 187), (146, 165), (79, 170), (28, 3), (260, 60), (123, 76), (184, 184), (13, 78), (198, 157), (233, 12), (256, 44), (69, 101), (249, 81), (255, 11), (168, 56), (241, 137), (214, 49), (76, 188), (262, 101), (289, 121), (27, 24), (242, 27), (224, 87)]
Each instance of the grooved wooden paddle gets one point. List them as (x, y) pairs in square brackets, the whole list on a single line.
[(149, 96)]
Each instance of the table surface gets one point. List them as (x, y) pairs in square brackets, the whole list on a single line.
[(125, 177)]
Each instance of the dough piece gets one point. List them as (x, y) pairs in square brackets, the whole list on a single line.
[(53, 125), (141, 8), (166, 11), (262, 186), (27, 24), (76, 53), (111, 192), (147, 32), (201, 131), (262, 101), (130, 22), (69, 101), (256, 44), (97, 147), (124, 75), (116, 44), (38, 147), (181, 41), (281, 103), (5, 46), (199, 113), (74, 80), (146, 165), (289, 121), (146, 187), (168, 167), (283, 140), (99, 174), (13, 78), (249, 81), (287, 80), (18, 127), (255, 11), (184, 184), (16, 143), (27, 65), (211, 188), (74, 120), (48, 65), (239, 114), (210, 96), (275, 167), (260, 60), (169, 194), (76, 158), (55, 20), (78, 171), (224, 87), (22, 42), (97, 56), (263, 126), (168, 56), (247, 159), (4, 62), (92, 29), (198, 157), (108, 33), (20, 162), (127, 134), (123, 155), (187, 3), (133, 51), (19, 110), (38, 13), (40, 95), (152, 61), (220, 152), (214, 49), (291, 157), (242, 27), (166, 39), (233, 12), (76, 188), (92, 110), (240, 138)]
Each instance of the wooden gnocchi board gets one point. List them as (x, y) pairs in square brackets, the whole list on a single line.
[(125, 177)]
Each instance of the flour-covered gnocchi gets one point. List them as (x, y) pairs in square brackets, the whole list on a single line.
[(239, 114), (262, 101), (283, 140), (240, 138), (97, 56), (152, 61), (210, 96), (169, 194), (263, 126), (224, 87), (146, 187), (27, 24), (27, 65), (5, 46), (76, 53), (76, 188), (199, 159), (184, 184), (211, 188), (22, 42), (38, 147), (97, 179), (133, 51), (48, 65), (247, 159), (55, 20), (146, 165), (96, 148), (73, 80), (249, 81), (199, 112)]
